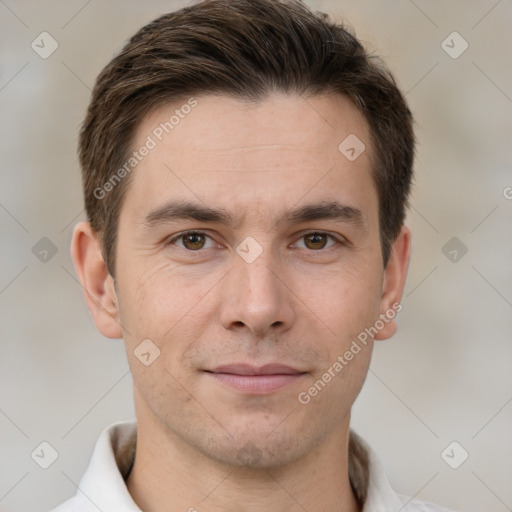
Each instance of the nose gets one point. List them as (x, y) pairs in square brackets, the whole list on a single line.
[(257, 298)]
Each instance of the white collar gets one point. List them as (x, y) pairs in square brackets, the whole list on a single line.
[(103, 485)]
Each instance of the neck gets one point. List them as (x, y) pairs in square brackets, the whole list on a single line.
[(169, 474)]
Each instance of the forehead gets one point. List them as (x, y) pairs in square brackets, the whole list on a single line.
[(277, 149)]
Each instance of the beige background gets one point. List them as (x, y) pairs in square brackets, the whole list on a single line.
[(444, 377)]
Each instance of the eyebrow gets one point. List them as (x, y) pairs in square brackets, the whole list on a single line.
[(186, 210)]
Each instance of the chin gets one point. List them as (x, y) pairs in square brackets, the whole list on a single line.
[(259, 447), (260, 454)]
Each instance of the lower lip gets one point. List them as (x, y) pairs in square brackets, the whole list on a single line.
[(257, 384)]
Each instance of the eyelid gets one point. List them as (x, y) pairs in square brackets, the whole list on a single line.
[(174, 238), (338, 239)]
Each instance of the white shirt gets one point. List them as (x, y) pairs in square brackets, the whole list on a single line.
[(103, 485)]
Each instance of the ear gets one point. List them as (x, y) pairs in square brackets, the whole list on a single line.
[(394, 282), (97, 283)]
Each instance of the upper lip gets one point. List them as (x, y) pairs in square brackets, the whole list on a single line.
[(246, 369)]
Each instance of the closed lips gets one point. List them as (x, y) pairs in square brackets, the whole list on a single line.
[(255, 380), (269, 369)]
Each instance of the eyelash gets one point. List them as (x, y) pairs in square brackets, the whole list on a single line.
[(193, 232)]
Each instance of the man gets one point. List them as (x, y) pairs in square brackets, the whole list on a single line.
[(246, 169)]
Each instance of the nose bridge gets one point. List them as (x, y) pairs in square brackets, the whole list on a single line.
[(257, 297), (259, 284), (260, 278)]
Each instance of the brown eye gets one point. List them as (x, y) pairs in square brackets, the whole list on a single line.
[(193, 241), (315, 240)]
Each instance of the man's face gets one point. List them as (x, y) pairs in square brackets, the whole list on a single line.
[(221, 313)]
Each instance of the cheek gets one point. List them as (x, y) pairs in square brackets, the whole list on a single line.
[(347, 302), (161, 317), (169, 308), (346, 299), (155, 298)]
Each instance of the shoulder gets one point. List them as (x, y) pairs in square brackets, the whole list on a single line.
[(102, 487), (373, 488)]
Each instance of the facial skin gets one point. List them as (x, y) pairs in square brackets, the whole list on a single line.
[(300, 303)]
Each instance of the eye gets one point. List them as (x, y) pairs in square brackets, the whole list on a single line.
[(192, 241), (317, 240), (196, 240)]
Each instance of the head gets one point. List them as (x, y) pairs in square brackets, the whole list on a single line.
[(271, 133)]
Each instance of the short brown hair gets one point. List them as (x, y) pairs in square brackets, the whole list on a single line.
[(246, 49)]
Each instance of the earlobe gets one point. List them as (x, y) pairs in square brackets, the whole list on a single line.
[(96, 281), (394, 282)]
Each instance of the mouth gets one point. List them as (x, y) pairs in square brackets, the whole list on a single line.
[(256, 380)]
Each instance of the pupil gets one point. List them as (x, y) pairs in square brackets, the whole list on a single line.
[(316, 239), (194, 240)]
